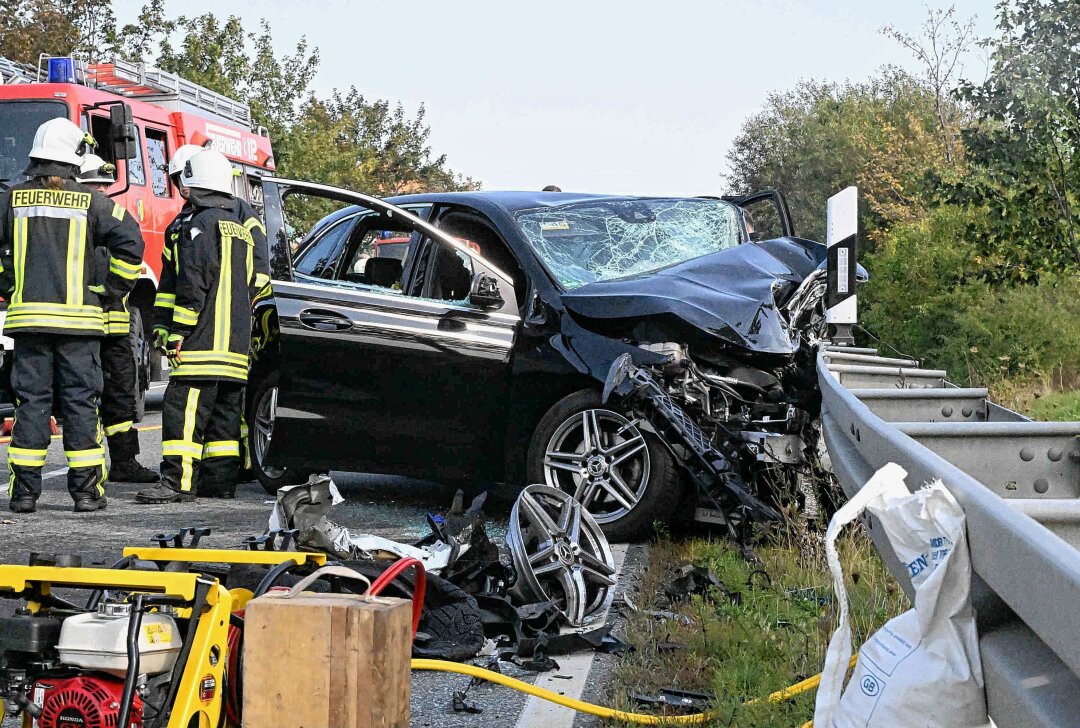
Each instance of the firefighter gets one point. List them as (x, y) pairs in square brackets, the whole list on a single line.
[(166, 293), (118, 406), (49, 228), (208, 339)]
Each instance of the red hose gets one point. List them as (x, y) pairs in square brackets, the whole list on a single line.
[(419, 585)]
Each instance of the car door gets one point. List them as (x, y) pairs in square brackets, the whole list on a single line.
[(373, 378)]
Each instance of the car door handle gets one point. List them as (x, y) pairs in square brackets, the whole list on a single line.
[(324, 320)]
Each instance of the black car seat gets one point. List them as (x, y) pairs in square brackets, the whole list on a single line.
[(383, 272)]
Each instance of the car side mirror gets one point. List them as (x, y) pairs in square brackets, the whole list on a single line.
[(124, 136), (485, 291)]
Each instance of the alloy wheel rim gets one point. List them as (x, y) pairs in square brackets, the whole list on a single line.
[(559, 553), (601, 458), (265, 414)]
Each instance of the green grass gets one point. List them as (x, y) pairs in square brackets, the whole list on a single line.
[(1056, 406), (773, 639)]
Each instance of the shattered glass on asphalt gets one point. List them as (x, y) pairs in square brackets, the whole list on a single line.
[(606, 239)]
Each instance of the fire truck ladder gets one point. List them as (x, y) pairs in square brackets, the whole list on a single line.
[(165, 89), (12, 72)]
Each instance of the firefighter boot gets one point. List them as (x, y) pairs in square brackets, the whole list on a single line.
[(162, 493), (132, 471), (23, 504), (86, 503)]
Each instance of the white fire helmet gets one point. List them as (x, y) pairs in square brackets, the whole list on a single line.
[(209, 170), (95, 170), (59, 140), (181, 156)]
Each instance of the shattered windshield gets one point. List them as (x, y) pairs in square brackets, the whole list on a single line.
[(18, 122), (604, 239)]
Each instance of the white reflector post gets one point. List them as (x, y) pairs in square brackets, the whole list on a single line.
[(841, 307)]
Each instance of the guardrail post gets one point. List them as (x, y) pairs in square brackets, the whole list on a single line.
[(841, 307)]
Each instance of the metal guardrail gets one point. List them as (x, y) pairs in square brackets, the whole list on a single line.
[(1019, 484)]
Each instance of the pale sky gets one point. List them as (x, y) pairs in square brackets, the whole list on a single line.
[(623, 97)]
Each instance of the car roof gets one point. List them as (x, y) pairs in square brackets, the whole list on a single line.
[(508, 201)]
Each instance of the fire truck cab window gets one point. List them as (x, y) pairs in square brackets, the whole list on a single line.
[(101, 129), (18, 122), (157, 151)]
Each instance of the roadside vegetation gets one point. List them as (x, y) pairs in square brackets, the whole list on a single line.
[(771, 636), (969, 178)]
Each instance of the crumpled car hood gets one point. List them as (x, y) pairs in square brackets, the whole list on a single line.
[(730, 295)]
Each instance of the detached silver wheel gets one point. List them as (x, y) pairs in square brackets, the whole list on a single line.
[(559, 553), (265, 414), (600, 458)]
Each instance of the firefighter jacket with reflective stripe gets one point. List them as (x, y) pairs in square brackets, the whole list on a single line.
[(117, 317), (48, 240), (215, 276), (166, 292)]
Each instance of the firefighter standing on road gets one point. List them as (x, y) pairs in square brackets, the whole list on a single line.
[(208, 339), (118, 406), (166, 293), (50, 226)]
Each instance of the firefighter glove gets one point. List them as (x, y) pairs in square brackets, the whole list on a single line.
[(161, 337), (172, 350)]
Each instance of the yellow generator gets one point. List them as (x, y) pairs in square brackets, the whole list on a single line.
[(124, 647)]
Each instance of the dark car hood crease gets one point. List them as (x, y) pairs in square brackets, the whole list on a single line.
[(730, 295)]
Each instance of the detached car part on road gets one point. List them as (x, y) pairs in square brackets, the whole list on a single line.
[(483, 353)]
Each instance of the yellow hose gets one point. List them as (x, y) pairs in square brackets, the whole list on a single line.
[(598, 710)]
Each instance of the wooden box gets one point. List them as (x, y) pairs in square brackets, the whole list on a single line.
[(327, 661)]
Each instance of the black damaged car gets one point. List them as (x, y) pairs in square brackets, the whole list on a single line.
[(651, 356)]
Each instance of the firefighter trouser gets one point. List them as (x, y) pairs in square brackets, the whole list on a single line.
[(74, 363), (200, 435), (118, 398)]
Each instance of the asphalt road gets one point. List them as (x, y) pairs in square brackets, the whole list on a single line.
[(386, 506)]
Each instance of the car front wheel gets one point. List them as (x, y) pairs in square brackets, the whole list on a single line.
[(261, 417), (621, 474)]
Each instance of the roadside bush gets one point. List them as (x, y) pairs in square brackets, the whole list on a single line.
[(927, 297)]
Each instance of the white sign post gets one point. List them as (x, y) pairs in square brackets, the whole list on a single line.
[(841, 306)]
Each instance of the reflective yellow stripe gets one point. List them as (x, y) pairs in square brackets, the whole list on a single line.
[(221, 449), (223, 305), (20, 258), (261, 279), (124, 269), (249, 265), (181, 448), (96, 289), (118, 428), (50, 309), (27, 457), (225, 357), (251, 223), (166, 253), (85, 458), (71, 258), (185, 316), (118, 212), (209, 370), (27, 322), (245, 448), (80, 254), (165, 300), (190, 412)]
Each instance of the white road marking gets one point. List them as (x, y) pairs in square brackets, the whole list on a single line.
[(543, 714), (54, 473)]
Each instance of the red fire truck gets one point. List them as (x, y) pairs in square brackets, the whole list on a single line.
[(136, 112)]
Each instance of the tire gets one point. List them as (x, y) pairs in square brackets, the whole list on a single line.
[(139, 350), (647, 473), (260, 417)]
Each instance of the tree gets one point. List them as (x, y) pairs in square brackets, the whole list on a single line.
[(818, 138), (1024, 149), (29, 28)]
